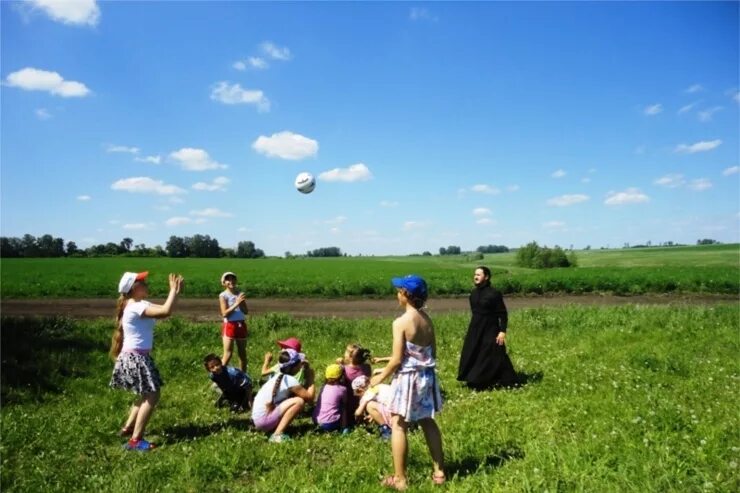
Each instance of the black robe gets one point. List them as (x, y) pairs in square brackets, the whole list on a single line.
[(483, 363)]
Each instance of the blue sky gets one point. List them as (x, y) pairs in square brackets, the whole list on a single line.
[(426, 125)]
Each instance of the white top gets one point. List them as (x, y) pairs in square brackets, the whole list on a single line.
[(138, 330), (237, 315), (263, 397)]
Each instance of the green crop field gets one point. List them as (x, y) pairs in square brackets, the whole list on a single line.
[(620, 399), (706, 269)]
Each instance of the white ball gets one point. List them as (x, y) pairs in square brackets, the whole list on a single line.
[(305, 182)]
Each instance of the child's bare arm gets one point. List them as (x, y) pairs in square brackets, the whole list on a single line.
[(266, 364), (384, 359)]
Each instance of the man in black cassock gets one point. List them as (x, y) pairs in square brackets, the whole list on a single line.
[(484, 363)]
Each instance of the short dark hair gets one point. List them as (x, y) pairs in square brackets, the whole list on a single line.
[(486, 270), (211, 357)]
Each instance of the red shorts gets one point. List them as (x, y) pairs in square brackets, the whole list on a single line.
[(234, 330)]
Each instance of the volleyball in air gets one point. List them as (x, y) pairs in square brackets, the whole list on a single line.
[(305, 182)]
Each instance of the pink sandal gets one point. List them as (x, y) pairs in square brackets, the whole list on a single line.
[(392, 482)]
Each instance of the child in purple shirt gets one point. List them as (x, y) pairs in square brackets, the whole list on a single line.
[(330, 413)]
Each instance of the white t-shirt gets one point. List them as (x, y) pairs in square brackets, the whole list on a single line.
[(237, 315), (264, 396), (138, 330)]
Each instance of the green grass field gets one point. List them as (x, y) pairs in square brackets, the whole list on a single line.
[(620, 399), (706, 269)]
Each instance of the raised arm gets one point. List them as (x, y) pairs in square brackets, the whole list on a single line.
[(163, 311)]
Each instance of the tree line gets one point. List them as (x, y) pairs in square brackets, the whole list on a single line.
[(176, 247)]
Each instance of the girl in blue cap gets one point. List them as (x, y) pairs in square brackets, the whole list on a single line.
[(415, 395)]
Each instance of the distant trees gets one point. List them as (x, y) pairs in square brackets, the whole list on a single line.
[(492, 249), (177, 247), (534, 256), (450, 250), (246, 249), (325, 252)]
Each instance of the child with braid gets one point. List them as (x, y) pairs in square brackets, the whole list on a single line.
[(282, 397)]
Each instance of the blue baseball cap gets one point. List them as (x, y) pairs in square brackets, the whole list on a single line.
[(415, 285)]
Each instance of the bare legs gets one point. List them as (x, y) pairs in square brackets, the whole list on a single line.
[(289, 408), (399, 446), (241, 348), (140, 413)]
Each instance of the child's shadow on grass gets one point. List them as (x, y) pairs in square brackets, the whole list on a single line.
[(188, 432), (471, 465)]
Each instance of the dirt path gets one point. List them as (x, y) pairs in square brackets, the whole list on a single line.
[(207, 309)]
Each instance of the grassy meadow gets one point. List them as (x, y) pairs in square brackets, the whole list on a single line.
[(618, 399), (704, 269)]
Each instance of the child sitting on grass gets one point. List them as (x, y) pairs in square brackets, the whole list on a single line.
[(282, 398), (330, 413), (235, 385), (269, 371), (375, 400), (355, 363)]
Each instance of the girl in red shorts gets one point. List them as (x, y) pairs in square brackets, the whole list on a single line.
[(233, 310)]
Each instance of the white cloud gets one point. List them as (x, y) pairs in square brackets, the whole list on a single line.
[(144, 184), (568, 199), (336, 220), (688, 107), (707, 114), (217, 185), (178, 221), (481, 211), (137, 226), (512, 188), (700, 184), (275, 52), (42, 114), (672, 180), (553, 225), (286, 145), (257, 62), (701, 146), (75, 12), (211, 212), (195, 160), (482, 188), (733, 170), (32, 79), (413, 225), (355, 172), (123, 149), (485, 220), (227, 93), (694, 88), (149, 159), (559, 173), (653, 109), (388, 203), (83, 198), (254, 62), (628, 196), (422, 14)]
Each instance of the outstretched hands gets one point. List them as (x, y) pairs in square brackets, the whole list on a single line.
[(177, 282)]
